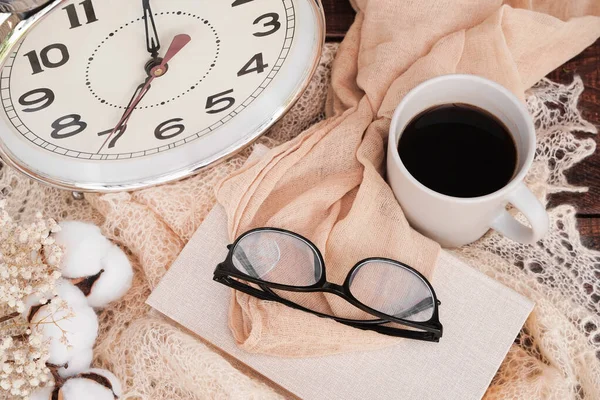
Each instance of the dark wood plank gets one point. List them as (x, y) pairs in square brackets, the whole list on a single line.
[(586, 173), (339, 15), (589, 228)]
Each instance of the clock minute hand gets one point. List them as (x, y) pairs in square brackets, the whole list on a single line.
[(178, 43), (138, 95), (152, 40)]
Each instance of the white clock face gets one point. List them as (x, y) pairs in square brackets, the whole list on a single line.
[(89, 104)]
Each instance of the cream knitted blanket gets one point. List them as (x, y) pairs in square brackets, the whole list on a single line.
[(557, 355)]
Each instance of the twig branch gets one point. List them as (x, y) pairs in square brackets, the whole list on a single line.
[(9, 317)]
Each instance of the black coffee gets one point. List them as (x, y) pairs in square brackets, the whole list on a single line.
[(459, 150)]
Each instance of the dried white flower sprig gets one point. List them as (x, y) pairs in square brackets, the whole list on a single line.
[(29, 266), (23, 365), (69, 325), (100, 269), (50, 283), (29, 260)]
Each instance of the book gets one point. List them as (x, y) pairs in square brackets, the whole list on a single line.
[(481, 319)]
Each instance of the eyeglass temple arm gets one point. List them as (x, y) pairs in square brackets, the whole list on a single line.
[(417, 308), (404, 333), (418, 335), (243, 258), (232, 283)]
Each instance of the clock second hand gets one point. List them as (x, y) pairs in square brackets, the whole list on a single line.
[(178, 43)]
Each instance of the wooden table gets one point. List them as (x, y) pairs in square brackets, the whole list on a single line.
[(340, 16)]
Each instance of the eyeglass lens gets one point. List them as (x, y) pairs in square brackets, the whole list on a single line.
[(277, 257), (393, 290)]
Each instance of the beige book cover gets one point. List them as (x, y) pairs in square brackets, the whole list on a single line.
[(481, 319)]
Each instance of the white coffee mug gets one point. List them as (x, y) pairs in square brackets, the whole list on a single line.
[(453, 221)]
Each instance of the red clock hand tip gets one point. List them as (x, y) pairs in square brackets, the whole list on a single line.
[(178, 43), (184, 37)]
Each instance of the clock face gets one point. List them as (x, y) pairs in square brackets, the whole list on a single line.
[(113, 94)]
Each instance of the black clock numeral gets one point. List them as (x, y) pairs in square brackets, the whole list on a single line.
[(256, 64), (216, 99), (240, 2), (34, 60), (45, 100), (273, 22), (161, 130), (66, 122), (88, 8), (116, 138)]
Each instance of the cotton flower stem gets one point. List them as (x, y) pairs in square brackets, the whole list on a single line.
[(9, 317), (58, 380), (86, 284), (20, 338)]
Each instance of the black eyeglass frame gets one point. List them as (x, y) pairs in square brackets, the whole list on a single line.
[(227, 274)]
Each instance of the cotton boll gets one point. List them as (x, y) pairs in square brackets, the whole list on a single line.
[(42, 394), (78, 363), (114, 281), (70, 293), (57, 321), (31, 302), (97, 267), (63, 289), (79, 389), (84, 246), (114, 381), (92, 386)]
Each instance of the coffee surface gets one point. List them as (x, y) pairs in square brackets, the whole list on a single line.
[(459, 150)]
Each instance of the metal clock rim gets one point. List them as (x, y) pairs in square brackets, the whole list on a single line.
[(23, 6), (25, 25)]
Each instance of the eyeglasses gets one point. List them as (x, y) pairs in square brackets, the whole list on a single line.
[(269, 263)]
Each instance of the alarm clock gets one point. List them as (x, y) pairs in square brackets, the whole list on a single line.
[(113, 95)]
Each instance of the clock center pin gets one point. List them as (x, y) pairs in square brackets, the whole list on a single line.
[(155, 68)]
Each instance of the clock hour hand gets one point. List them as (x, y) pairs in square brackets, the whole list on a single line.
[(178, 43), (152, 41)]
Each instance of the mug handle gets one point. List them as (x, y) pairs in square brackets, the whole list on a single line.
[(526, 202)]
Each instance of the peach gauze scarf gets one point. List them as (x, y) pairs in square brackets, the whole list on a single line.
[(328, 184)]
